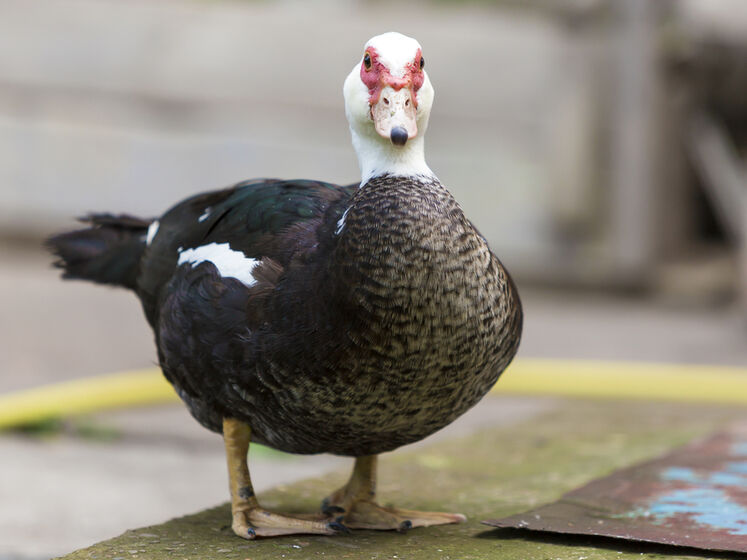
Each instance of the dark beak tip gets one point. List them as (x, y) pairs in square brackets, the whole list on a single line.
[(399, 136)]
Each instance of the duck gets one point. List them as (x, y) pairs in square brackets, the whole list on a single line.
[(312, 317)]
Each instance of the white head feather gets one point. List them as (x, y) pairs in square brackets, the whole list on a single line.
[(378, 155)]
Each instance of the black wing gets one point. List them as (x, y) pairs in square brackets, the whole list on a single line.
[(277, 221)]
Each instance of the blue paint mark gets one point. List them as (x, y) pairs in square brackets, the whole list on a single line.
[(739, 449), (707, 497), (739, 467), (734, 474), (707, 506), (708, 503), (679, 474), (727, 479)]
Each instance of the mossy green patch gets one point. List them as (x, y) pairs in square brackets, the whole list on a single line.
[(83, 427), (490, 474)]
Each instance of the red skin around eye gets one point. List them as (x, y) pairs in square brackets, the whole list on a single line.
[(378, 77)]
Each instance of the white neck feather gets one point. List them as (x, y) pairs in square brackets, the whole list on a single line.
[(377, 156)]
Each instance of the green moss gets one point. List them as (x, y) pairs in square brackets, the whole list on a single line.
[(83, 427), (45, 428), (490, 474)]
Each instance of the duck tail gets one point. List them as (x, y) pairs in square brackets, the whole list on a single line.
[(106, 252)]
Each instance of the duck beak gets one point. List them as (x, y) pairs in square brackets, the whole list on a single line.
[(394, 115)]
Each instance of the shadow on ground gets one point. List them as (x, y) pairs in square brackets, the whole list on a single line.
[(601, 543)]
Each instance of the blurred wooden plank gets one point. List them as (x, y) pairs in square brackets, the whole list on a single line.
[(632, 189), (723, 174), (716, 161)]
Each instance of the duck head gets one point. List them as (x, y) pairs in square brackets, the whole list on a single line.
[(388, 98)]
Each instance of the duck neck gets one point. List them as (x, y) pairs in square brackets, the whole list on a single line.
[(377, 156)]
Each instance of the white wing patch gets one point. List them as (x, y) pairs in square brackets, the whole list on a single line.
[(205, 215), (230, 263), (341, 222), (152, 231)]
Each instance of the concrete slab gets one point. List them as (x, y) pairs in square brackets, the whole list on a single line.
[(498, 471), (154, 464)]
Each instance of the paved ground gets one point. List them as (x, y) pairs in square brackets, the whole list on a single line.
[(161, 464), (501, 471)]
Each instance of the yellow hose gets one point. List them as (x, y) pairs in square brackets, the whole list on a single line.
[(568, 378), (81, 396), (625, 380)]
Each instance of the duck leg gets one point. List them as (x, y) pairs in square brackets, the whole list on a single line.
[(355, 502), (250, 520)]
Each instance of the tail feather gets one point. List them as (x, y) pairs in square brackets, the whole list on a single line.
[(106, 252)]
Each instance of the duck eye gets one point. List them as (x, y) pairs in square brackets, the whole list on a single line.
[(367, 61), (422, 62)]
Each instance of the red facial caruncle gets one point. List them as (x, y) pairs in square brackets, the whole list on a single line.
[(377, 76)]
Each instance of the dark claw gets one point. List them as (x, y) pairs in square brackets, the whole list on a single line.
[(251, 532), (329, 509), (246, 492), (404, 526), (338, 527)]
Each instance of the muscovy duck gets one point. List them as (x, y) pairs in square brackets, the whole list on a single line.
[(317, 318)]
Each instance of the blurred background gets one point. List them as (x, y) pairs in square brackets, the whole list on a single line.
[(599, 145)]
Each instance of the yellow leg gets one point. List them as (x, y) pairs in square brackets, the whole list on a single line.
[(250, 520), (355, 502)]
